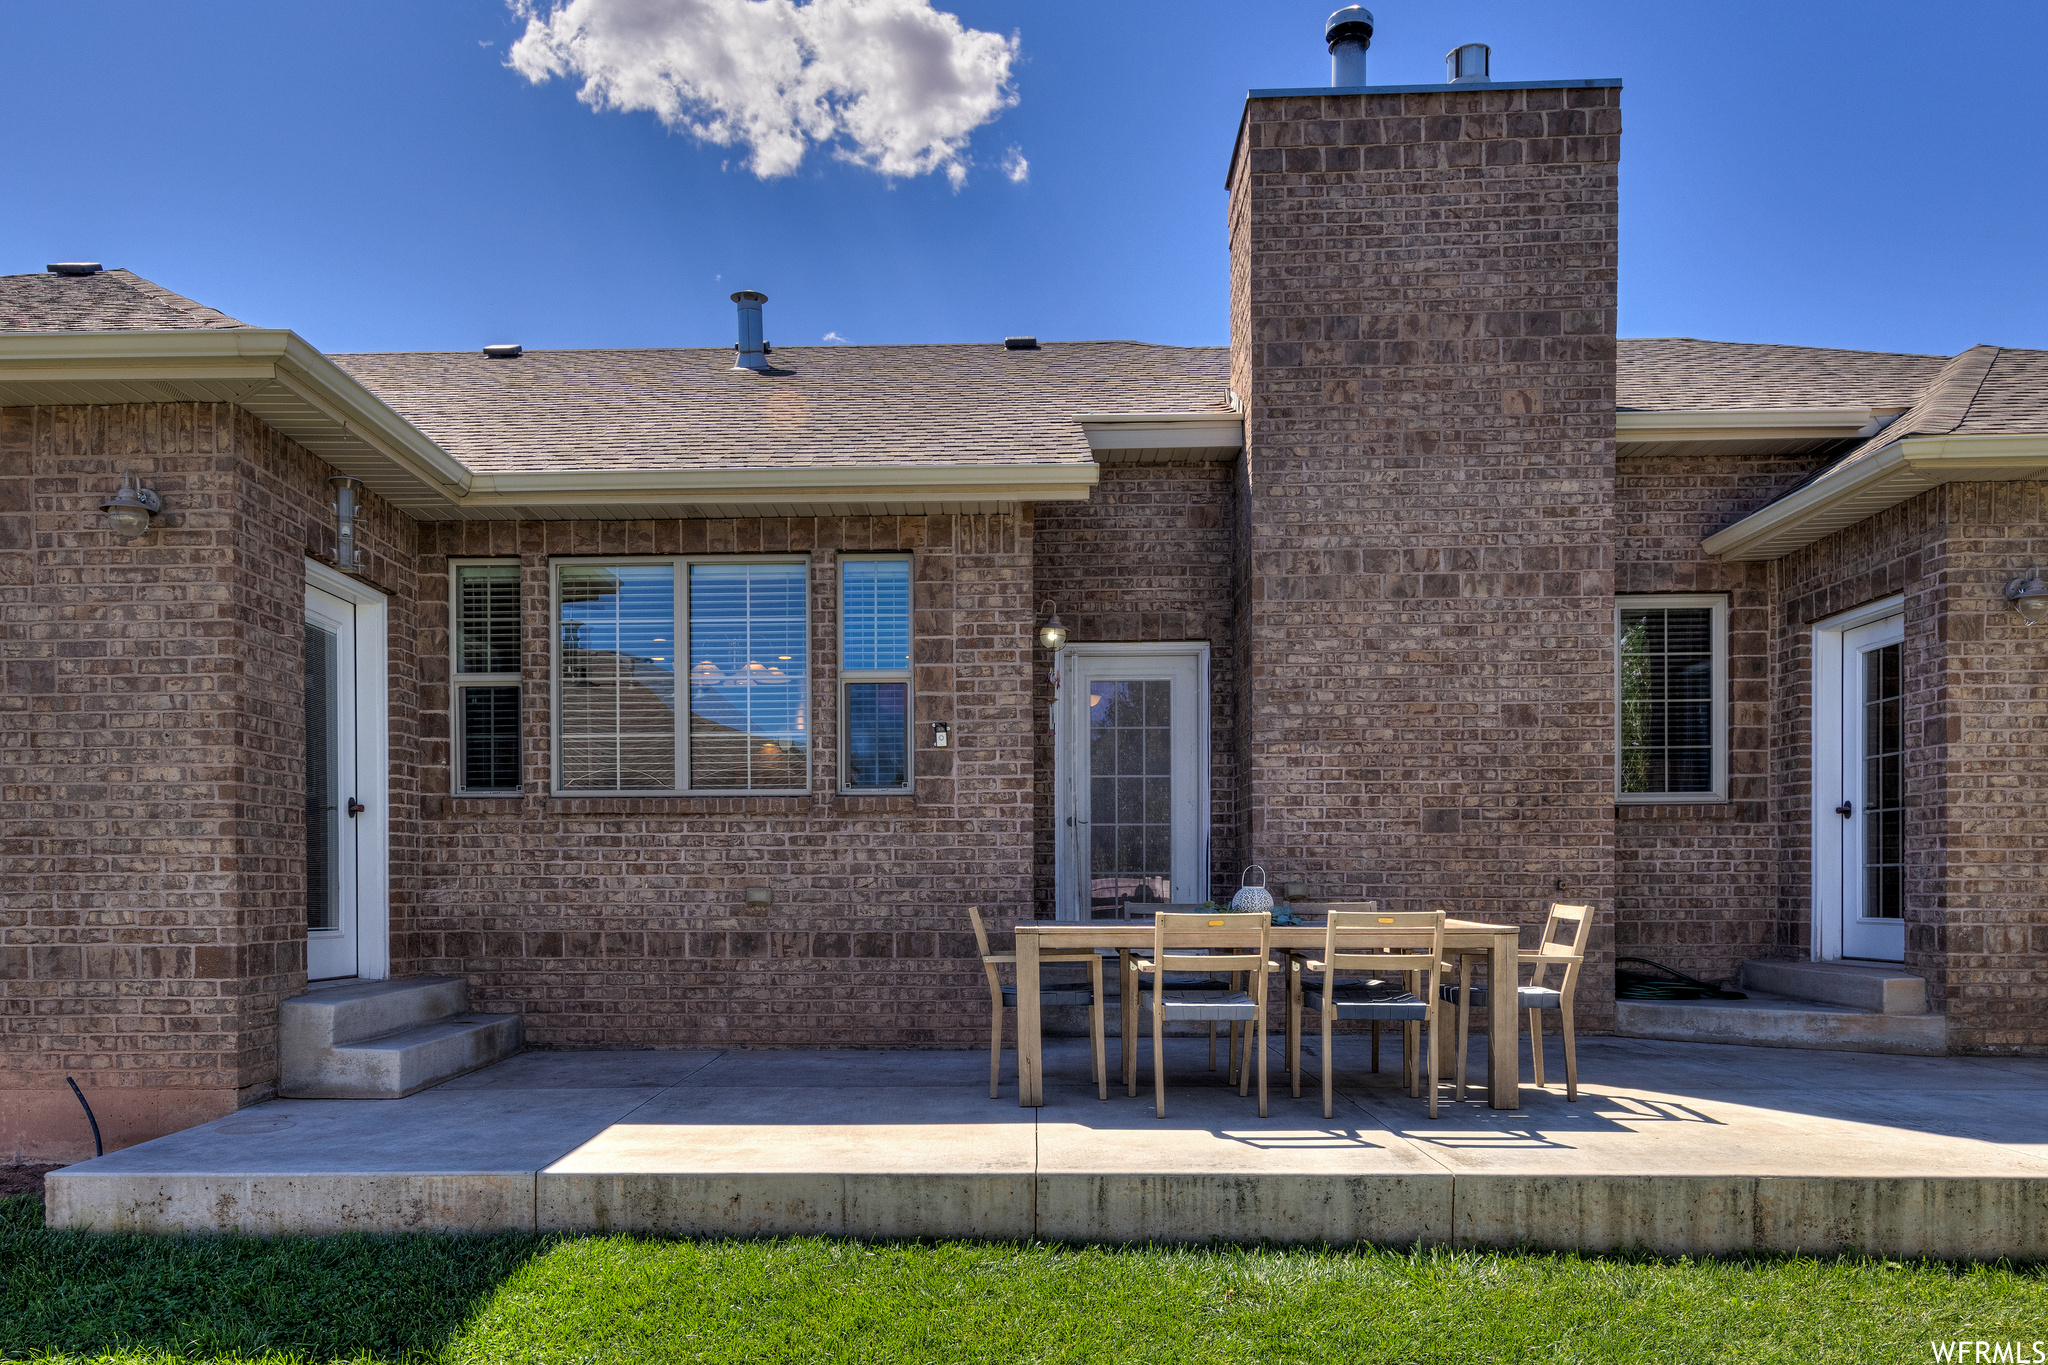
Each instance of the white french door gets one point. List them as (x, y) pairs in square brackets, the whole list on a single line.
[(346, 788), (1859, 787), (1131, 776)]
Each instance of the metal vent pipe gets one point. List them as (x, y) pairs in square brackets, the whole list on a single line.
[(751, 354), (1349, 34)]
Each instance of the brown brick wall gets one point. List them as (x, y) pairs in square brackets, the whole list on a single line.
[(1697, 886), (1977, 737), (1149, 557), (1423, 330), (620, 922), (151, 859)]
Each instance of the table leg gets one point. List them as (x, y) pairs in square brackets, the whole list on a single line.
[(1503, 1057), (1030, 1067)]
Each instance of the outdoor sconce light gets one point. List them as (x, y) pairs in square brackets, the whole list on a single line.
[(1052, 634), (129, 510), (348, 556), (2029, 597), (942, 735)]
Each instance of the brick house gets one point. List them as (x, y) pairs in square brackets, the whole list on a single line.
[(675, 701)]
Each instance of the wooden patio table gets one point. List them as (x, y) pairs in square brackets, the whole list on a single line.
[(1499, 942)]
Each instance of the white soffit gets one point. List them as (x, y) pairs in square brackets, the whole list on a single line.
[(1163, 437), (1858, 489)]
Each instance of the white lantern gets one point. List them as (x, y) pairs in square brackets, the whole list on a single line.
[(1252, 899)]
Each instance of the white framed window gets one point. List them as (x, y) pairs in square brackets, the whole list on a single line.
[(733, 628), (483, 639), (1671, 698), (875, 745)]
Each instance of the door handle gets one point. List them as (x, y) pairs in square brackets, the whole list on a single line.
[(1845, 810), (355, 808)]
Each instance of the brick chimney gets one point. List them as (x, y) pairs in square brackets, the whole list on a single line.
[(1422, 338)]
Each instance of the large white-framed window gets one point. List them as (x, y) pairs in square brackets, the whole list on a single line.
[(484, 630), (1671, 698), (875, 744), (684, 675)]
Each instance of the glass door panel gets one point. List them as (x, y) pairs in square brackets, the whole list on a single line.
[(1872, 892), (331, 787)]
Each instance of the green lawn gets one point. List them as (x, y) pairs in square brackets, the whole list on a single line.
[(81, 1296)]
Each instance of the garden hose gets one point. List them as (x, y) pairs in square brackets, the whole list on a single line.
[(1673, 985)]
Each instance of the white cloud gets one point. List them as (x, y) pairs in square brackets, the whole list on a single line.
[(833, 338), (892, 85), (1015, 166)]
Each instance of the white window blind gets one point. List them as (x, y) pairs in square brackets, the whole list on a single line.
[(747, 676), (874, 663), (484, 629)]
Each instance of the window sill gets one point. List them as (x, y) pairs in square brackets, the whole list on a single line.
[(1638, 802), (782, 803)]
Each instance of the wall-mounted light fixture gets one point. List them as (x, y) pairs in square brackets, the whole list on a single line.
[(942, 734), (2029, 597), (348, 556), (1052, 635), (129, 510)]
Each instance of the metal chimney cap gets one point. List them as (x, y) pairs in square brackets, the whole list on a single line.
[(1468, 62), (73, 268), (749, 296), (504, 350), (1353, 22)]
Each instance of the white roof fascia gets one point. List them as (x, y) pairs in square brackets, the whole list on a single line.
[(1154, 437), (928, 483), (1852, 492), (101, 367), (1749, 424)]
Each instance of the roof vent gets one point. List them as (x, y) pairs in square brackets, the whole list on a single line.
[(1349, 34), (753, 352), (1020, 343), (504, 350), (1471, 62), (74, 268)]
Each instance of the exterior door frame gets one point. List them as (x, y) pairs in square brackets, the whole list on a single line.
[(1070, 730), (373, 765), (1830, 846)]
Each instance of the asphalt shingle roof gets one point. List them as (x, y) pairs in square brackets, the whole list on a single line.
[(1680, 374), (110, 301), (820, 406)]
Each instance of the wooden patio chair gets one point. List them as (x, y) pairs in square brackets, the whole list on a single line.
[(1003, 997), (1295, 959), (1375, 947), (1170, 1003), (1535, 997), (1127, 988)]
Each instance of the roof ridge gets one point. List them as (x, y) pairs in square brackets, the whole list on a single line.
[(1946, 401), (192, 308)]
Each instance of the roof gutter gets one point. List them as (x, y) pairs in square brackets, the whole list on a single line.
[(1864, 486), (1160, 437), (1751, 424), (920, 483), (109, 367)]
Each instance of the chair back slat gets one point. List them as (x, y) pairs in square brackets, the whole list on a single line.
[(1578, 919), (980, 929), (1395, 940), (1323, 909), (1173, 929)]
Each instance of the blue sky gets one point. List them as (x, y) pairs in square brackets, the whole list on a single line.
[(372, 175)]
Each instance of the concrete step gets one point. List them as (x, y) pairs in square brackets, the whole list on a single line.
[(1780, 1021), (387, 1039), (1878, 989), (331, 1015)]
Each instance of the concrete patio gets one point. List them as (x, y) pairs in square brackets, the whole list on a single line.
[(1674, 1147)]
